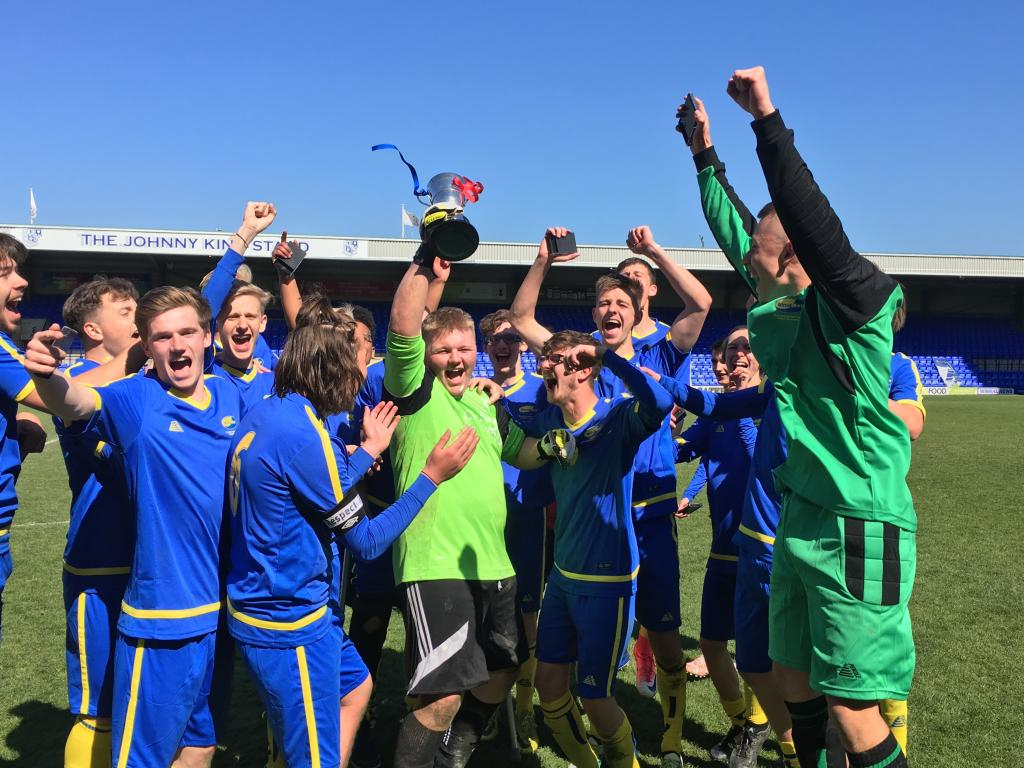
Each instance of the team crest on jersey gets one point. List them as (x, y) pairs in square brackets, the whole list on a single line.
[(591, 432), (228, 421), (526, 409), (175, 427)]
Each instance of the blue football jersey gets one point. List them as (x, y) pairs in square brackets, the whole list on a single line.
[(253, 384), (654, 481), (175, 455), (15, 386), (726, 448), (101, 532), (595, 544), (286, 496), (762, 502)]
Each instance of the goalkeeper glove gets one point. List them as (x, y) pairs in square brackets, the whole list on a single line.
[(558, 445)]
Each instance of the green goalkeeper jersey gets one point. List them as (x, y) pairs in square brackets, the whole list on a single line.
[(847, 451), (828, 352), (460, 532)]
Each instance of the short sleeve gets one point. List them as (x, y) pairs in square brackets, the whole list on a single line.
[(14, 379), (905, 384), (120, 409)]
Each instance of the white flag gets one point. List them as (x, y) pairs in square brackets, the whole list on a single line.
[(408, 220), (31, 206)]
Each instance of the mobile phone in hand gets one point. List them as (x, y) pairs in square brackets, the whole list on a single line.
[(687, 115), (561, 246), (70, 337), (298, 254)]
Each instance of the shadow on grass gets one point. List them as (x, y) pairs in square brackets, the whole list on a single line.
[(39, 736)]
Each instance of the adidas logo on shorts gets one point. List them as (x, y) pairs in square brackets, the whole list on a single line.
[(850, 671), (667, 616), (589, 680)]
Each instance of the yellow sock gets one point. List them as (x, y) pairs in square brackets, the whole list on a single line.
[(755, 714), (735, 709), (619, 751), (524, 683), (894, 713), (88, 744), (672, 691), (563, 717), (788, 750)]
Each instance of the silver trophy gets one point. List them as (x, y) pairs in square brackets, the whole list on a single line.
[(444, 228), (445, 232)]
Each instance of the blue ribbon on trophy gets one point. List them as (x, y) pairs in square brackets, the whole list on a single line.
[(445, 232)]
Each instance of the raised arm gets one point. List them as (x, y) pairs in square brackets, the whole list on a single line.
[(696, 300), (257, 217), (654, 401), (410, 299), (730, 221), (291, 297), (744, 403), (524, 306), (854, 287), (65, 398), (442, 270)]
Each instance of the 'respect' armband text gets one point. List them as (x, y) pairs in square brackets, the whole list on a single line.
[(347, 513)]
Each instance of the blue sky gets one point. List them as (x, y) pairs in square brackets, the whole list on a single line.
[(155, 115)]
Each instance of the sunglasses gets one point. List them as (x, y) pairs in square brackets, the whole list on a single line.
[(508, 338), (555, 358)]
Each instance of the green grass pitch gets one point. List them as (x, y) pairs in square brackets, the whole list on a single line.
[(967, 606)]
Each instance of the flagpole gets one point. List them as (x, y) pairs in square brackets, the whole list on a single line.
[(403, 221)]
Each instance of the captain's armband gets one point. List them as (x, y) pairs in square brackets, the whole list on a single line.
[(347, 514)]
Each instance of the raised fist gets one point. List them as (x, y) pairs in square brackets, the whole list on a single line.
[(640, 241), (749, 89), (258, 216)]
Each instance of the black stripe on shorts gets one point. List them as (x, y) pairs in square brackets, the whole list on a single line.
[(890, 564), (854, 549)]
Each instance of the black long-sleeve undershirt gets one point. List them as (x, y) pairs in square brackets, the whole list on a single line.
[(854, 287)]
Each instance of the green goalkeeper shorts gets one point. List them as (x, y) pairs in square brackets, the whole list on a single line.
[(839, 602)]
